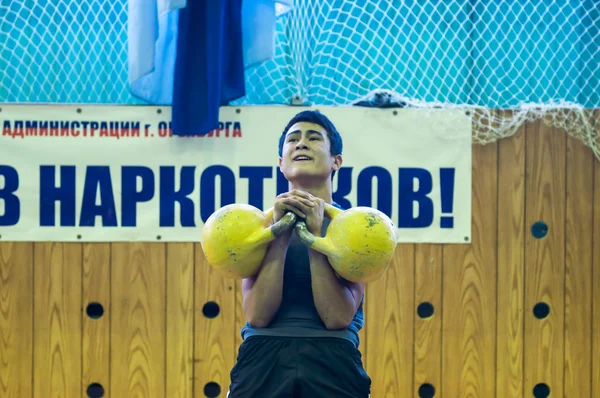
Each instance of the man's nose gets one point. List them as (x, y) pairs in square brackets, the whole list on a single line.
[(301, 144)]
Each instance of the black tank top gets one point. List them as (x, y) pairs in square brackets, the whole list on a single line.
[(297, 316)]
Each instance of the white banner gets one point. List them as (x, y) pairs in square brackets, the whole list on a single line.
[(116, 173)]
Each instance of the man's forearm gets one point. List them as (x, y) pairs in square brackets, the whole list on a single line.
[(335, 303), (264, 297)]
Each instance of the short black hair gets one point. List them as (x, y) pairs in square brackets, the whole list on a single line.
[(315, 117)]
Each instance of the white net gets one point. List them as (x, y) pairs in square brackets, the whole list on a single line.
[(535, 59), (538, 59), (64, 51)]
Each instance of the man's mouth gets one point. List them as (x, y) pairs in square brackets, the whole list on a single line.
[(302, 158)]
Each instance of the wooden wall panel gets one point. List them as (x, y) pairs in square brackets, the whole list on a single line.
[(158, 337), (511, 266), (428, 331), (16, 319), (544, 258), (96, 330), (138, 342), (214, 351), (469, 286), (595, 342), (180, 320), (57, 321), (389, 320), (578, 269)]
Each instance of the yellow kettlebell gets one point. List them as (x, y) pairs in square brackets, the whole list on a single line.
[(360, 242), (235, 238)]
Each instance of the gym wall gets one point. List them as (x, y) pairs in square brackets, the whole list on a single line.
[(514, 314)]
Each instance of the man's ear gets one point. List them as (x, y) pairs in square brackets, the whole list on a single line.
[(279, 162), (337, 162)]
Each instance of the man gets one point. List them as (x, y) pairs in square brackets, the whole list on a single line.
[(301, 337)]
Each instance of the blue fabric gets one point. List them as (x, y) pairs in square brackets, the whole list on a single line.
[(209, 69), (141, 35), (152, 48), (153, 28), (481, 54), (282, 7), (259, 26)]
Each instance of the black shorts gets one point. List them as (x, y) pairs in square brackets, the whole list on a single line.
[(295, 367)]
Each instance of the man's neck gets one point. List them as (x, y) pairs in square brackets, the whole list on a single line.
[(323, 191)]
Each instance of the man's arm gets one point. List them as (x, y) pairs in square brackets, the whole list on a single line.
[(336, 300), (262, 292)]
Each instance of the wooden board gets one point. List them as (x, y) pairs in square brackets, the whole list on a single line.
[(469, 291), (96, 331), (389, 320), (429, 271), (57, 322), (214, 349), (180, 320), (595, 341), (138, 343), (544, 258), (578, 270), (511, 266), (16, 319)]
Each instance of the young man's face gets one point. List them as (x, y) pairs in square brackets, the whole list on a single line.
[(307, 153)]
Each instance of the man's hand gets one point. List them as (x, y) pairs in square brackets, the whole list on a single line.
[(305, 205), (296, 201), (314, 216)]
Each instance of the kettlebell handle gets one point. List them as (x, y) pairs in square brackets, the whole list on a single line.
[(309, 239), (283, 225), (273, 230), (359, 244), (331, 211)]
